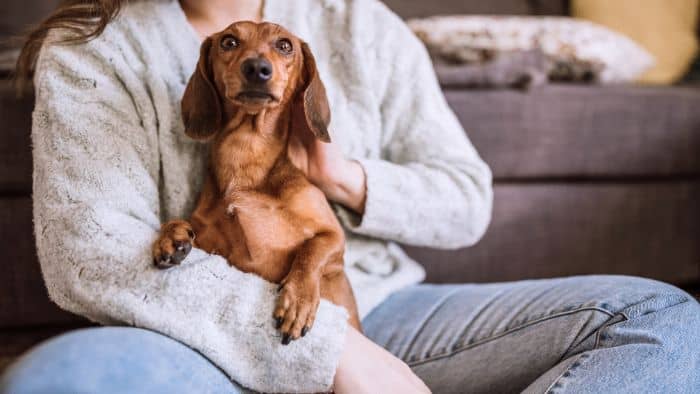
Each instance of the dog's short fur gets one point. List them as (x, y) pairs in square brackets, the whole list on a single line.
[(255, 87)]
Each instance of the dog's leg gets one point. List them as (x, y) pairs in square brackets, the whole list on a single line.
[(173, 244), (300, 291), (336, 288)]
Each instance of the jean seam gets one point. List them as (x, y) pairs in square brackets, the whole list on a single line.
[(459, 349), (566, 373), (607, 324), (598, 332), (584, 355), (595, 332)]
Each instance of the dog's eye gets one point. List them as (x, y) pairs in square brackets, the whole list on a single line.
[(284, 45), (229, 42)]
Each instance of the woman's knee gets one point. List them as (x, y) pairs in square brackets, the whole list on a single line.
[(112, 359), (656, 312), (629, 295), (637, 296)]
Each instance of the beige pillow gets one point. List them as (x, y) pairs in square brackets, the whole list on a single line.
[(569, 43), (666, 28)]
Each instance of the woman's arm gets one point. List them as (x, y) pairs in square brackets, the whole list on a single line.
[(430, 187), (96, 213), (367, 368)]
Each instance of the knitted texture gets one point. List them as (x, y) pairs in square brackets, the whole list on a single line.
[(111, 162)]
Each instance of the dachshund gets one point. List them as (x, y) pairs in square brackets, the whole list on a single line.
[(255, 88)]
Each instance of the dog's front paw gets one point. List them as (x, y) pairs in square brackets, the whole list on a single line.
[(298, 301), (173, 244)]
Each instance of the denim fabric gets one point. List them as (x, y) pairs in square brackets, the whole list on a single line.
[(114, 360), (597, 334)]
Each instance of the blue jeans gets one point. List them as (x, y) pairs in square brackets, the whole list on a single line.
[(596, 334)]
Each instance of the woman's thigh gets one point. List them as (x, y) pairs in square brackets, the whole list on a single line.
[(508, 337), (114, 360)]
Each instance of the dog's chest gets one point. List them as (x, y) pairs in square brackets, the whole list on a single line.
[(271, 227)]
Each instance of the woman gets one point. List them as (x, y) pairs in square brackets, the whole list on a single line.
[(112, 162)]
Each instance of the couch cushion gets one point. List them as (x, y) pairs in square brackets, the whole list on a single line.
[(674, 42), (15, 152), (23, 297), (574, 131), (422, 8), (548, 230), (16, 16)]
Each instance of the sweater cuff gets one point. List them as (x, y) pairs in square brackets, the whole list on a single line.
[(325, 349), (383, 189), (306, 365)]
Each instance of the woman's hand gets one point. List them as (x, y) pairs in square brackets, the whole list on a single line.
[(366, 367), (342, 180)]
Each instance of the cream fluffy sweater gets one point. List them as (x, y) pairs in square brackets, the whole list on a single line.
[(112, 162)]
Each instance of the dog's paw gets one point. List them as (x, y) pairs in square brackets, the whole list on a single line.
[(299, 297), (173, 244)]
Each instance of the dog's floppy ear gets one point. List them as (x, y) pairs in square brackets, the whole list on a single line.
[(312, 102), (201, 105)]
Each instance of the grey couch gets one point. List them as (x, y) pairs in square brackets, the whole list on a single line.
[(588, 180)]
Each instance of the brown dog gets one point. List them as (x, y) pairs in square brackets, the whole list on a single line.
[(254, 84)]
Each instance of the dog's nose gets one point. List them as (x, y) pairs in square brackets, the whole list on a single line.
[(257, 70)]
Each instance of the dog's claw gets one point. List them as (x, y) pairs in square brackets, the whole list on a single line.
[(173, 245), (278, 322), (182, 249), (296, 307), (163, 262), (286, 339)]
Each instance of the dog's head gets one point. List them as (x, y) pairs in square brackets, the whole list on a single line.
[(253, 67)]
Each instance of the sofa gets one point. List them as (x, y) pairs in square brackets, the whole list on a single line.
[(588, 180)]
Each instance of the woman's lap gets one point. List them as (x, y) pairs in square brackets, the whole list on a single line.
[(581, 334), (114, 360)]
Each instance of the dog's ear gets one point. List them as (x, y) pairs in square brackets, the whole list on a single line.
[(311, 102), (201, 105)]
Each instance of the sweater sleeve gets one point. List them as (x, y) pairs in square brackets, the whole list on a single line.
[(430, 187), (96, 213)]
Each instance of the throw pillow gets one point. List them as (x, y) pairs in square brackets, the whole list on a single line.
[(666, 28), (573, 47)]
